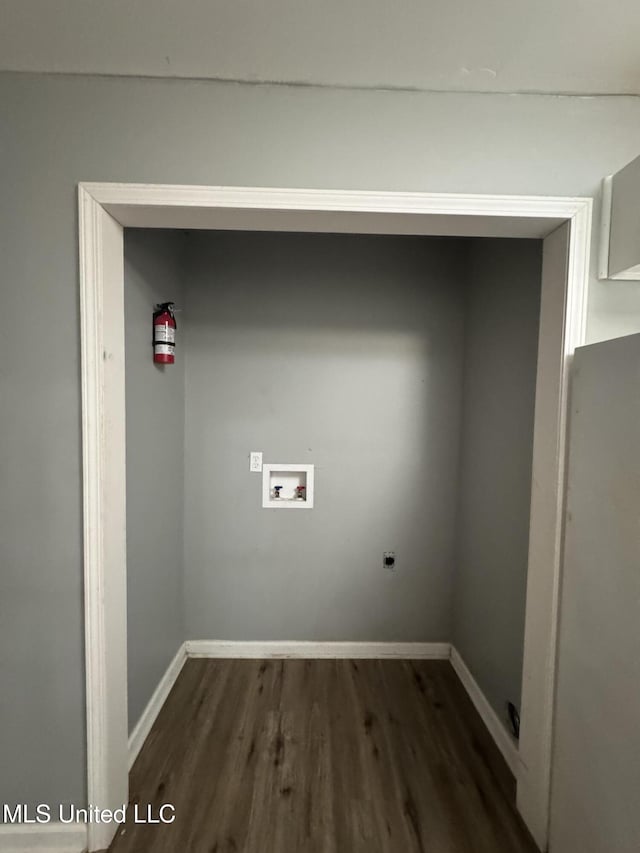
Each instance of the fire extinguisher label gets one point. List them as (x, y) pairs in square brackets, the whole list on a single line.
[(165, 334), (163, 349)]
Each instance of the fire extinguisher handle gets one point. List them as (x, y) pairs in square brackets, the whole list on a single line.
[(169, 307)]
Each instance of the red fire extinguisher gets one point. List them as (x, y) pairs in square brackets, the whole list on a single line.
[(164, 333)]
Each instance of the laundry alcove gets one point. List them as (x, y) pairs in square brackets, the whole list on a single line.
[(403, 369)]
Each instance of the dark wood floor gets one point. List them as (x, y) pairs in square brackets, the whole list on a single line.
[(323, 756)]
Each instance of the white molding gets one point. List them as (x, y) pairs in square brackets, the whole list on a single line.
[(366, 201), (43, 838), (563, 317), (91, 295), (317, 650), (103, 210), (503, 740), (149, 715), (104, 511)]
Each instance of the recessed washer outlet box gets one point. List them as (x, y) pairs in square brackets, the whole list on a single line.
[(287, 486)]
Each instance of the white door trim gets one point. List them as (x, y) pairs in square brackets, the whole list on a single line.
[(104, 209)]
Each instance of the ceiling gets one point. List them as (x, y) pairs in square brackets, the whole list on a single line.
[(553, 46)]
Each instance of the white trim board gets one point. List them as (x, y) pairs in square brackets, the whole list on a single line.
[(149, 715), (336, 211), (503, 740), (317, 650), (104, 511), (43, 838), (104, 211)]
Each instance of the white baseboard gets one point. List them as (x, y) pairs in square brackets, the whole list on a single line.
[(504, 741), (148, 718), (43, 838), (231, 649)]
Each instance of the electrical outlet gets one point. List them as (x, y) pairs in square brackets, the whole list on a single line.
[(389, 561), (255, 461)]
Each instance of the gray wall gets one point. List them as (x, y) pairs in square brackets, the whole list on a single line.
[(501, 348), (153, 270), (56, 131), (345, 352), (596, 776)]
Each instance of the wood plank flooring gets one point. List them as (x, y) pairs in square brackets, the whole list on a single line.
[(322, 756)]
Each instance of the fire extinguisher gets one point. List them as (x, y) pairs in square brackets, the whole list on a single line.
[(164, 333)]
